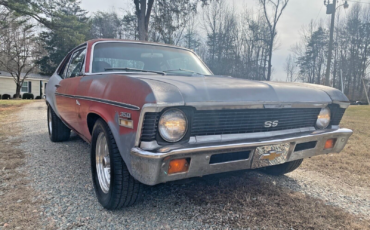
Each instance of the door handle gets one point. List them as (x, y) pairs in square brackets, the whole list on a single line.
[(57, 86)]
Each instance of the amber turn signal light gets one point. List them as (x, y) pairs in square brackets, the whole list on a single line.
[(178, 165), (329, 143)]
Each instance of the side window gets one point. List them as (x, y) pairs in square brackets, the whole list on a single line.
[(63, 68), (75, 64)]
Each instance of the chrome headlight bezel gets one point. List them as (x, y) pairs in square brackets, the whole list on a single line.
[(162, 129), (323, 119)]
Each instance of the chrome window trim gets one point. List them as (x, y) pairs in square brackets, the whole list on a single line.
[(143, 43)]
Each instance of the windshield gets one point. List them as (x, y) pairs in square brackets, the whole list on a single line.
[(131, 57)]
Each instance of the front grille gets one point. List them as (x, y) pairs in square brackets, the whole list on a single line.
[(217, 122), (213, 122)]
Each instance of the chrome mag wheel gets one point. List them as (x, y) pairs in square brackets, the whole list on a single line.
[(103, 162)]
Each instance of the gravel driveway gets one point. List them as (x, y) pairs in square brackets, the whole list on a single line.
[(61, 174)]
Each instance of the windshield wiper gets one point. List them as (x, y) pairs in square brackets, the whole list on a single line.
[(185, 70), (138, 70)]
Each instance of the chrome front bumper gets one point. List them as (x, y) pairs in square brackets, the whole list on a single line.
[(150, 167)]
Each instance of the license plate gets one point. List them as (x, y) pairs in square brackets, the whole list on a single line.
[(270, 155)]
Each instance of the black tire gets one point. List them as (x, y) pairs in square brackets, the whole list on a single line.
[(124, 190), (282, 169), (58, 131)]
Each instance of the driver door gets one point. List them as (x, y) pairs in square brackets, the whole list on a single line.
[(66, 90)]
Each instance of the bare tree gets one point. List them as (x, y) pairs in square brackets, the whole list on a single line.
[(106, 25), (213, 23), (143, 11), (277, 7), (254, 54), (16, 52), (191, 38), (290, 68), (169, 20)]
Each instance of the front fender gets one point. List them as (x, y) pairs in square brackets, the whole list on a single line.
[(335, 94), (124, 137), (50, 92)]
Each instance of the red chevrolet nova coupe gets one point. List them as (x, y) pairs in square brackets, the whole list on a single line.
[(155, 113)]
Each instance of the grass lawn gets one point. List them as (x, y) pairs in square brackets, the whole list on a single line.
[(9, 106), (352, 165)]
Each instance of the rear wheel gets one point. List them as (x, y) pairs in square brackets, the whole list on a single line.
[(114, 186), (58, 131), (282, 169)]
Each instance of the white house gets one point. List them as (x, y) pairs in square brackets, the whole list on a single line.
[(34, 83)]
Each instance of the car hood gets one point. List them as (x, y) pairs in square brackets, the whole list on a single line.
[(199, 89)]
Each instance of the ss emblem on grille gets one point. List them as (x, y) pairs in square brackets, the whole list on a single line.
[(269, 124)]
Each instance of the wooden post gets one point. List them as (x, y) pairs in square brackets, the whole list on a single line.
[(366, 89)]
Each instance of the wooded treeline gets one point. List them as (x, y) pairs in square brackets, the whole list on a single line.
[(350, 54), (231, 42)]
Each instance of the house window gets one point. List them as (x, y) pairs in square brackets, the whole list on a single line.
[(25, 87)]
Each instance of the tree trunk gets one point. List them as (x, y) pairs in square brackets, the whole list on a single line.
[(18, 91), (141, 20), (143, 11), (270, 60)]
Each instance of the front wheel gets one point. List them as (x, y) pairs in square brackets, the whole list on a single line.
[(282, 169), (114, 186)]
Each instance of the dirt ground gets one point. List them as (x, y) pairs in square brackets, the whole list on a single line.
[(236, 200), (18, 208)]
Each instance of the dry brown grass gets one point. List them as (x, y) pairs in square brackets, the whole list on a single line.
[(352, 165), (18, 207), (9, 106)]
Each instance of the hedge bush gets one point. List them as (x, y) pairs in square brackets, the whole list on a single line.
[(14, 96), (38, 98), (0, 96), (27, 96), (5, 96)]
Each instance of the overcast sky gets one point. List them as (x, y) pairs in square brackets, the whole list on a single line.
[(298, 14)]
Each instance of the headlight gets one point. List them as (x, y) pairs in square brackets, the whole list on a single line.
[(173, 125), (323, 120)]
